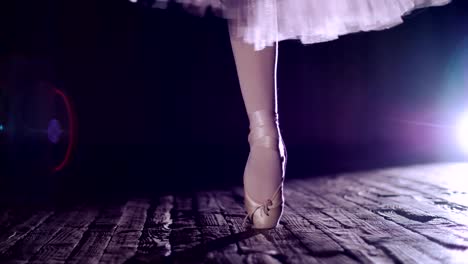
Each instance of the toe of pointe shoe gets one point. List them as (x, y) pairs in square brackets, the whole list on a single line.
[(263, 221), (264, 216)]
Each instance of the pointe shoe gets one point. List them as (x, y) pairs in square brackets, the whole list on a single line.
[(265, 214)]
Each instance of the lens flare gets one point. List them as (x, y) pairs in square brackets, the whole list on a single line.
[(54, 131), (462, 132)]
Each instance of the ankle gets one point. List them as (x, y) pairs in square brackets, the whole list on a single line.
[(263, 117), (264, 130), (264, 123)]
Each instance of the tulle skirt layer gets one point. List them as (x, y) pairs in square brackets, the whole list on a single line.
[(263, 22)]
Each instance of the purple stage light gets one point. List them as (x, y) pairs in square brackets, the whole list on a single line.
[(54, 131), (462, 132)]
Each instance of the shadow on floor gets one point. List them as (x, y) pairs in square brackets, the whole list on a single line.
[(196, 254)]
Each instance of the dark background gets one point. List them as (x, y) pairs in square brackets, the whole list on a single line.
[(159, 105)]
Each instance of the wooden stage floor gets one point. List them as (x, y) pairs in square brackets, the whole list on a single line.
[(416, 214)]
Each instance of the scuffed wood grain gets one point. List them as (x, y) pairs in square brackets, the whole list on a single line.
[(62, 244), (412, 214), (97, 237), (19, 231), (31, 243), (154, 245), (124, 242)]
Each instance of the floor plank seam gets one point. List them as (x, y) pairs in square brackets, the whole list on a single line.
[(421, 219), (322, 254), (346, 251), (47, 242), (441, 243), (366, 257), (440, 200), (406, 228), (431, 239), (383, 216), (231, 224), (112, 235), (146, 226), (86, 235), (403, 213), (4, 248), (5, 255), (226, 217), (391, 255), (430, 196)]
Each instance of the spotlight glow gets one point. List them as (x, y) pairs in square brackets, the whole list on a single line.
[(462, 132), (2, 128)]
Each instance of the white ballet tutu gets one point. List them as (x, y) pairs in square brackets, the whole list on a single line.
[(264, 22)]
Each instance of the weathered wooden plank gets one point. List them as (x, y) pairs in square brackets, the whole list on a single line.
[(404, 254), (19, 231), (161, 215), (418, 216), (30, 245), (154, 245), (124, 242), (290, 248), (91, 247), (83, 217), (311, 210), (306, 245), (59, 248), (446, 181), (451, 200), (317, 242), (339, 227), (424, 201), (337, 259), (218, 239), (185, 233), (449, 227), (400, 234), (201, 215), (210, 218), (431, 231), (261, 258), (405, 215), (295, 251), (97, 237), (409, 196), (114, 235)]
